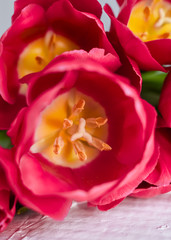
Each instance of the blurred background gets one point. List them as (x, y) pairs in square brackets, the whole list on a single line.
[(6, 11)]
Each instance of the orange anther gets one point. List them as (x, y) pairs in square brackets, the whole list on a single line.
[(39, 60), (67, 123), (80, 151), (58, 145), (96, 122), (100, 145)]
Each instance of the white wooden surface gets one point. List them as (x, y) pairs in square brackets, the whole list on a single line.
[(133, 219)]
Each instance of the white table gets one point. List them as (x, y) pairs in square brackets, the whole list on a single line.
[(133, 219)]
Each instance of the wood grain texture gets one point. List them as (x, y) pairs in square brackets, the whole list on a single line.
[(133, 219)]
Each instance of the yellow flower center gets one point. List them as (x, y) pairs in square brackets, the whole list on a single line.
[(72, 130), (151, 20), (41, 51)]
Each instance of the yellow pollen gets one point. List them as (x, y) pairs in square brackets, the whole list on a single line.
[(151, 19), (67, 135)]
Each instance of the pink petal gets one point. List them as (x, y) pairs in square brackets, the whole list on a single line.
[(55, 207), (161, 176), (125, 10), (94, 7), (165, 101), (8, 111), (7, 198), (160, 50), (75, 25), (109, 206), (149, 191)]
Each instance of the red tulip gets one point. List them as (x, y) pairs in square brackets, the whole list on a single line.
[(78, 138)]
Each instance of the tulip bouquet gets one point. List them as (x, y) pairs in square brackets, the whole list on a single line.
[(85, 115)]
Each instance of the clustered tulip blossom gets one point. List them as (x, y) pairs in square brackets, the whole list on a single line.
[(88, 112)]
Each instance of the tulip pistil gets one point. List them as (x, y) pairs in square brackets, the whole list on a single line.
[(162, 18)]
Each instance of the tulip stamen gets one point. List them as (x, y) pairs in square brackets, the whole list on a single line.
[(164, 35), (39, 60), (67, 123), (146, 12), (144, 35), (49, 39), (100, 145), (162, 19), (58, 145), (78, 107), (96, 122), (52, 42), (79, 150)]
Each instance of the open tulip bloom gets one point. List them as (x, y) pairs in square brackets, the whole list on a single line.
[(85, 115)]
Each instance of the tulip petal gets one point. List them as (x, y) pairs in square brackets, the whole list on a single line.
[(165, 100), (85, 6), (147, 191), (55, 207), (8, 111), (163, 53)]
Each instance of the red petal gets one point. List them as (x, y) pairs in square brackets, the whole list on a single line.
[(165, 101), (8, 112), (92, 6)]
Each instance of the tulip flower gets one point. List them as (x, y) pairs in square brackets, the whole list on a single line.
[(150, 21), (77, 138)]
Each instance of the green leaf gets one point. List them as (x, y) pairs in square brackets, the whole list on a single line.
[(153, 76), (152, 85), (5, 141)]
